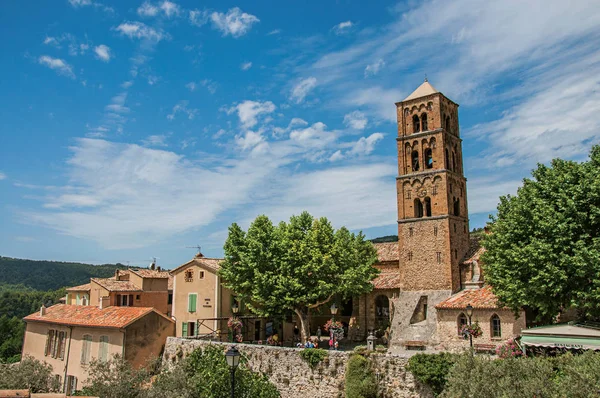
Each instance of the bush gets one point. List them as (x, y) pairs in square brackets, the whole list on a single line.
[(360, 379), (577, 376), (115, 378), (432, 369), (28, 374), (313, 356)]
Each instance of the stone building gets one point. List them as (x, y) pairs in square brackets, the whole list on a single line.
[(68, 337)]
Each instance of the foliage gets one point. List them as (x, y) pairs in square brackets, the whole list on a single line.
[(387, 238), (28, 374), (51, 275), (313, 356), (115, 378), (577, 376), (432, 369), (543, 251), (331, 324), (12, 331), (471, 330), (509, 349), (360, 379), (296, 266)]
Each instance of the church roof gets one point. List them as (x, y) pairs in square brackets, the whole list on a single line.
[(388, 278), (387, 251), (474, 252), (423, 90)]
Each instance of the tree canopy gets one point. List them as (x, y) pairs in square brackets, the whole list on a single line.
[(296, 266), (543, 251)]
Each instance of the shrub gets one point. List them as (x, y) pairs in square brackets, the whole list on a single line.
[(28, 374), (432, 369), (577, 376), (115, 378), (360, 379), (313, 356)]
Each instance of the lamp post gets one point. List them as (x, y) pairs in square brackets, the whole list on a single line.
[(234, 309), (334, 311), (233, 360), (470, 314)]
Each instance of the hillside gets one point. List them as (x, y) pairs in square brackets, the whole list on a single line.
[(51, 275)]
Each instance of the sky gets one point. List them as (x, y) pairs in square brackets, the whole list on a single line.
[(133, 129)]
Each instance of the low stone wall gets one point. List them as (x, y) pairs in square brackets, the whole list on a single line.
[(295, 379)]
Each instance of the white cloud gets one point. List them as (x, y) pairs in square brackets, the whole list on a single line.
[(199, 18), (103, 52), (374, 68), (249, 140), (182, 107), (337, 155), (342, 27), (315, 136), (235, 23), (2, 176), (191, 86), (246, 65), (356, 120), (249, 111), (117, 104), (274, 32), (139, 30), (210, 85), (302, 88), (152, 80), (156, 140), (52, 41), (147, 10), (366, 145), (170, 9), (80, 3), (127, 84), (59, 65)]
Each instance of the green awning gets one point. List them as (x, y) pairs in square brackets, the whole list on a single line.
[(561, 342)]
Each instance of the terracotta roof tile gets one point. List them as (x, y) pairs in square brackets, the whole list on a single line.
[(474, 252), (150, 273), (387, 251), (199, 259), (482, 298), (388, 278), (80, 288), (90, 316), (113, 285)]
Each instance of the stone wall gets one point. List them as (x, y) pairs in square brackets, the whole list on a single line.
[(295, 379)]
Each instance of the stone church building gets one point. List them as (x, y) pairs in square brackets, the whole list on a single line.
[(427, 278)]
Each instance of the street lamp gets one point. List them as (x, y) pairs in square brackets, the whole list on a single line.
[(470, 314), (233, 360), (334, 310)]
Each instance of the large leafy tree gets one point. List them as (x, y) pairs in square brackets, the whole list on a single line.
[(543, 251), (296, 266)]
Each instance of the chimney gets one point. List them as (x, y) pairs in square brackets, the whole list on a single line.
[(42, 310), (117, 274), (158, 268), (153, 265), (104, 302)]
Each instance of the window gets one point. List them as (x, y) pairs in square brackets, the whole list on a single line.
[(424, 122), (460, 322), (201, 274), (71, 385), (192, 298), (191, 328), (84, 300), (103, 349), (189, 275), (435, 231), (439, 257), (416, 124), (137, 296), (434, 190), (428, 158), (427, 207), (410, 256), (86, 349), (448, 123), (454, 228), (453, 161), (457, 207), (496, 327), (60, 351), (447, 160), (170, 299), (455, 253), (415, 160), (418, 208), (408, 195), (77, 299), (125, 300), (184, 327), (49, 342), (410, 231)]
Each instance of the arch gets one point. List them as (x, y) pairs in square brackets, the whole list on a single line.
[(416, 124), (453, 161), (461, 321), (457, 207), (447, 160), (432, 142), (418, 208), (424, 121), (495, 326), (382, 311), (447, 126), (415, 160), (428, 158), (427, 206)]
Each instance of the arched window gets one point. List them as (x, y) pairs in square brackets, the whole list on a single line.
[(415, 160), (448, 123), (416, 124), (418, 208), (427, 207), (428, 158), (495, 326), (460, 322), (447, 160), (382, 312), (424, 122), (453, 161), (457, 207)]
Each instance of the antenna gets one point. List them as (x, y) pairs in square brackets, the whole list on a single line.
[(195, 247)]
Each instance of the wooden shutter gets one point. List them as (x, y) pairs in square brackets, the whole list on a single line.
[(103, 351), (192, 302), (130, 300), (49, 338), (62, 345), (85, 350), (118, 300), (184, 329)]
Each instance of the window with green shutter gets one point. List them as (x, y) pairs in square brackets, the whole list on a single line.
[(192, 302), (103, 349), (184, 329)]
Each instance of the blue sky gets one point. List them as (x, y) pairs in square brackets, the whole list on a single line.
[(135, 129)]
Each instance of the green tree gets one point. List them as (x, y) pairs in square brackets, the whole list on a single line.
[(28, 374), (544, 248), (296, 266), (432, 369), (360, 381), (11, 338), (115, 378)]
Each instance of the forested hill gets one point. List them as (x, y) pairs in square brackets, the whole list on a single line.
[(51, 275)]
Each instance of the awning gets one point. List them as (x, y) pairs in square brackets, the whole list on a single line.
[(581, 343)]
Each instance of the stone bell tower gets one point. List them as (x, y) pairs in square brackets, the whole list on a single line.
[(433, 223)]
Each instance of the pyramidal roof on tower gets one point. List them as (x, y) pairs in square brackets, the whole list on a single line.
[(424, 89)]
